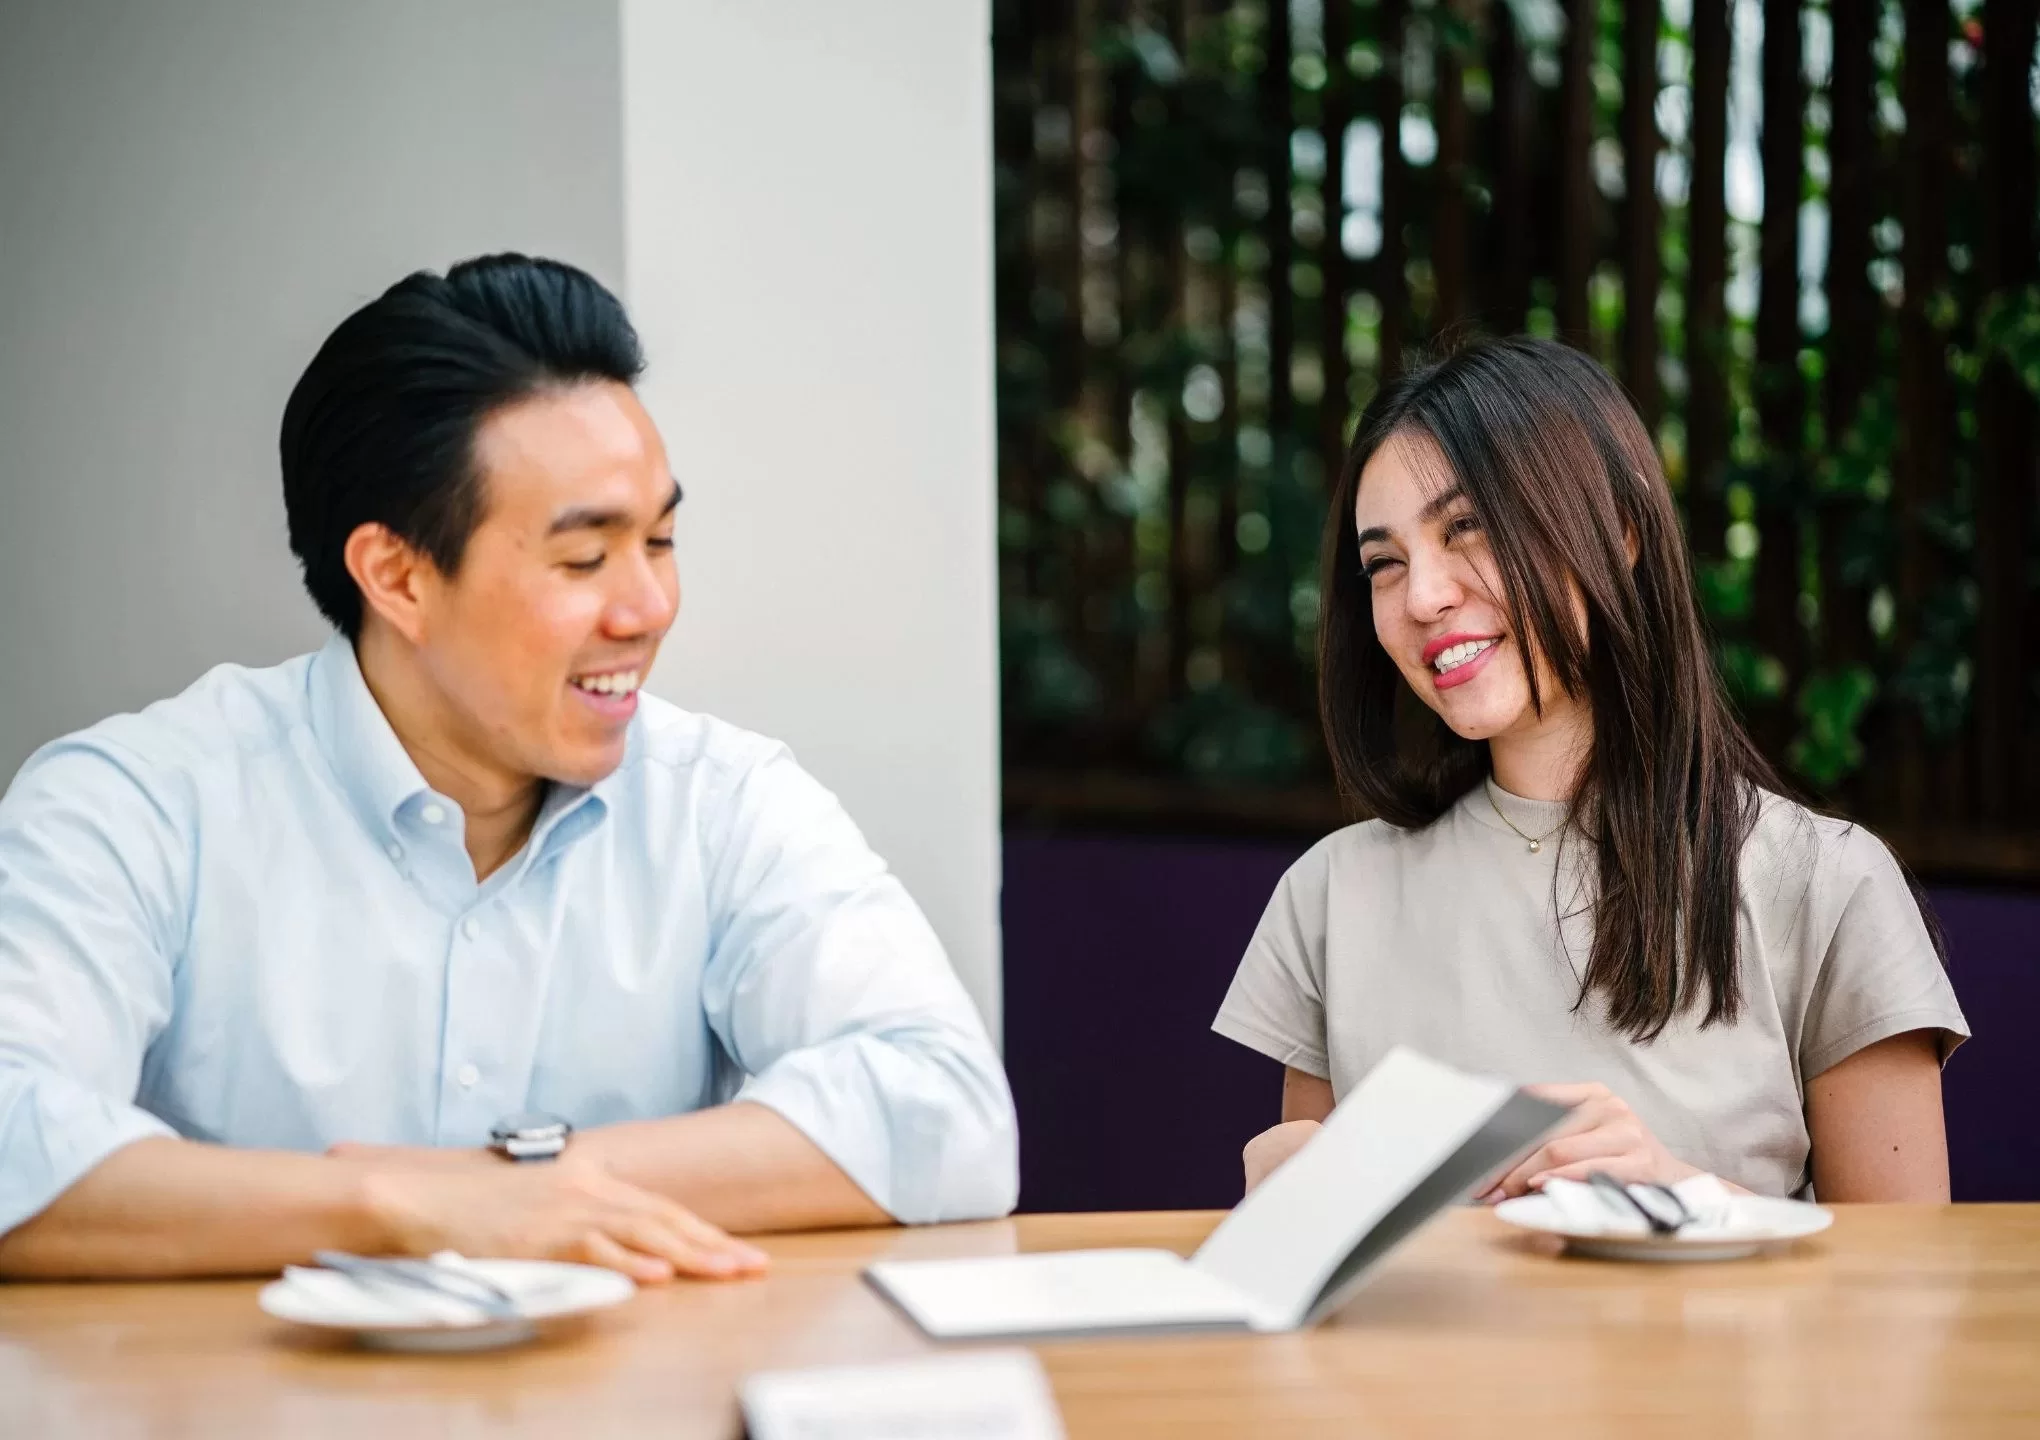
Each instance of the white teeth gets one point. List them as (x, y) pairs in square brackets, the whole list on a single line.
[(620, 682), (1459, 654)]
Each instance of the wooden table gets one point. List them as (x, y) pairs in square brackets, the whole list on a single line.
[(1900, 1321)]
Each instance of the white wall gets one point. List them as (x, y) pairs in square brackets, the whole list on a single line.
[(191, 196), (808, 257)]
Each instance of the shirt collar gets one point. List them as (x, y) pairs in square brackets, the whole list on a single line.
[(1490, 805), (368, 760), (380, 779)]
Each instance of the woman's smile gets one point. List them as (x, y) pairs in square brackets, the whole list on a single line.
[(1456, 658)]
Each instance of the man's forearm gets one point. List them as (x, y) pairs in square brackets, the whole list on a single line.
[(744, 1167), (160, 1208)]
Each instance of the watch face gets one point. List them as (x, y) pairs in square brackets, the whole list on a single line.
[(531, 1126)]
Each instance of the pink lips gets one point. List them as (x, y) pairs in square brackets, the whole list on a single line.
[(1463, 673), (1445, 642)]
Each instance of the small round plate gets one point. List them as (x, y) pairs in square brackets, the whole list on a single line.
[(546, 1291), (1762, 1223)]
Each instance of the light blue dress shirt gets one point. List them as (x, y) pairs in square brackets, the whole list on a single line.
[(241, 916)]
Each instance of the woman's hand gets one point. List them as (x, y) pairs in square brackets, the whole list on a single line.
[(1267, 1151), (1601, 1133)]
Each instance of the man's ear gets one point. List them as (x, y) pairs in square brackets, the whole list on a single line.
[(392, 576)]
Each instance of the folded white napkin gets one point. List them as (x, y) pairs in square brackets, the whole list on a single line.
[(345, 1300), (1588, 1210)]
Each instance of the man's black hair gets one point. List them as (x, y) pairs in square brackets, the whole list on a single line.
[(381, 426)]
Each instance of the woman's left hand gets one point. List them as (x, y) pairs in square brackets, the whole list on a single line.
[(1601, 1133)]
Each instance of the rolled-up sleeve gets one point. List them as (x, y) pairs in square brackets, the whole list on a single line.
[(90, 885), (829, 989)]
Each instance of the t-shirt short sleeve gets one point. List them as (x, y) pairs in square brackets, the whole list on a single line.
[(1881, 975), (1276, 1003)]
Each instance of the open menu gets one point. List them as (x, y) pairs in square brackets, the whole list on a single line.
[(1411, 1139)]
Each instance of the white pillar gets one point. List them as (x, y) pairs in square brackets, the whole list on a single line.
[(808, 255)]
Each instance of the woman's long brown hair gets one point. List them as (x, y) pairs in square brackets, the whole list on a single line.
[(1564, 479)]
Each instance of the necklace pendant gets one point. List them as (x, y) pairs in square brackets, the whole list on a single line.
[(1535, 846)]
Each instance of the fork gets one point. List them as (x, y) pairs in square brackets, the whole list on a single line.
[(1601, 1180), (491, 1299)]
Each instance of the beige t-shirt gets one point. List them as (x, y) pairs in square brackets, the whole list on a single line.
[(1445, 939)]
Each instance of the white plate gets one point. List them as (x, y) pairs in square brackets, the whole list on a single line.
[(545, 1291), (1762, 1222)]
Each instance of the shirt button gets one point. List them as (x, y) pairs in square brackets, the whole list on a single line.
[(471, 927), (396, 851), (467, 1076), (432, 814)]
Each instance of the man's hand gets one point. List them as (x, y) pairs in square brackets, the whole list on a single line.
[(1601, 1133), (563, 1210), (1267, 1151)]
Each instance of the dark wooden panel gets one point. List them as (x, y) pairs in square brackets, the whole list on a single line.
[(1780, 392), (2006, 475), (1706, 278), (1577, 201), (1391, 287), (1640, 265), (1921, 475)]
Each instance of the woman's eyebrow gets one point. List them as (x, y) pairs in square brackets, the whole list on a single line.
[(1434, 507), (1441, 502)]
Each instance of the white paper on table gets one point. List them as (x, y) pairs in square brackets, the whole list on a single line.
[(1413, 1137), (991, 1395)]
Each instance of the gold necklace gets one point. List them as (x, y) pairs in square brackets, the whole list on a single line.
[(1536, 842)]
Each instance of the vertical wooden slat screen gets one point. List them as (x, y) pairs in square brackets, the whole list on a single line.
[(1337, 115), (1175, 268), (1778, 385), (1854, 446), (1640, 265), (1706, 279), (1850, 355), (1391, 288), (1023, 463), (1921, 473), (1449, 214), (1225, 556), (1575, 177), (1107, 547), (2008, 639), (1276, 100), (1512, 123)]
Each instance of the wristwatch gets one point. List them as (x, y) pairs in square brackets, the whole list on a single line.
[(530, 1136)]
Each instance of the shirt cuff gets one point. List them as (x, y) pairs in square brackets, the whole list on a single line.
[(1294, 1054), (916, 1124), (1953, 1031), (52, 1132)]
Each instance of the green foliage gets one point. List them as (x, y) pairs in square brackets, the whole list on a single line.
[(1832, 703), (1163, 487), (1224, 735), (2008, 326)]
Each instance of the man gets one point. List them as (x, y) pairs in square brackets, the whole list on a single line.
[(451, 895)]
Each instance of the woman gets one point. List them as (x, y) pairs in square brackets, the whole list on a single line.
[(1581, 878)]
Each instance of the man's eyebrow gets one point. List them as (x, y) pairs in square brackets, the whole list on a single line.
[(595, 517)]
